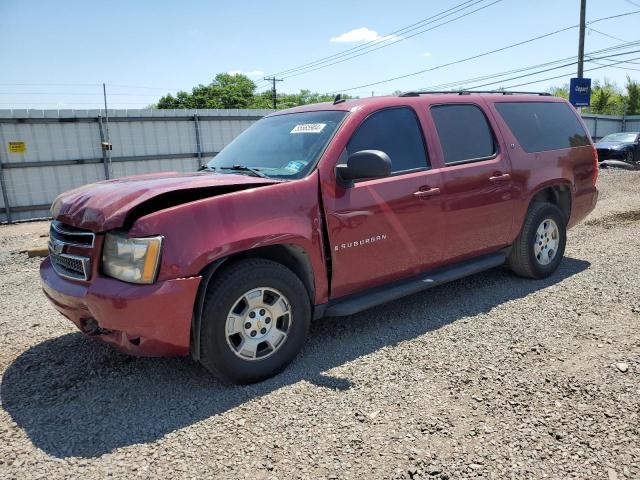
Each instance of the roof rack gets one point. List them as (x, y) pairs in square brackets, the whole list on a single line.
[(469, 92)]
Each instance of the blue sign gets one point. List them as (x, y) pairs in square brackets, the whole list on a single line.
[(580, 92)]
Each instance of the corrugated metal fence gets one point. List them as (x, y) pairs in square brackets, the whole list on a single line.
[(602, 125), (46, 152)]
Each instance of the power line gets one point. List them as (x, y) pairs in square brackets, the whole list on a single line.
[(532, 67), (564, 75), (83, 94), (474, 57), (546, 70), (606, 35), (614, 66), (525, 69), (50, 84), (383, 38), (309, 70)]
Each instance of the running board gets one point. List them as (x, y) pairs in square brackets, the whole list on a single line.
[(386, 293)]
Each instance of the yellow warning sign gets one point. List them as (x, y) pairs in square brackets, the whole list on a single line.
[(17, 147)]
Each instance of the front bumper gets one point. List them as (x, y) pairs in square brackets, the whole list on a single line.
[(144, 320), (610, 154)]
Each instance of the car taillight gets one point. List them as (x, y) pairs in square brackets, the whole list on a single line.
[(594, 152)]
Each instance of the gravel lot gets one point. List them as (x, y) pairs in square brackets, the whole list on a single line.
[(492, 376)]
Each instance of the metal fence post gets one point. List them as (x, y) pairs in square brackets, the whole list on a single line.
[(104, 152), (5, 195), (196, 123)]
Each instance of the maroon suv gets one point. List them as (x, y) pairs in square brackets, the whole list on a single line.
[(321, 210)]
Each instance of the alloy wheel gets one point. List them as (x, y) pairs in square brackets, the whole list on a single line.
[(547, 241), (258, 323)]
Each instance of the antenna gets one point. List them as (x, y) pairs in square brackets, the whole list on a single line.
[(339, 99)]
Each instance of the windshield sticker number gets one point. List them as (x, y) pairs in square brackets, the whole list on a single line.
[(309, 128), (295, 166)]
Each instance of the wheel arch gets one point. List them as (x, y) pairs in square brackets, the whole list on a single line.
[(294, 257), (559, 194)]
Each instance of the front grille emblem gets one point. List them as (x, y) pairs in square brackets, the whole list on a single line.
[(57, 246)]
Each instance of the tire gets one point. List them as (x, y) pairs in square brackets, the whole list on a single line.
[(524, 259), (227, 307), (628, 157)]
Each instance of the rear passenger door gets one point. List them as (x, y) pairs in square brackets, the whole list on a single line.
[(477, 189)]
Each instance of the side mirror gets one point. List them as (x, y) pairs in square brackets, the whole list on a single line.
[(363, 164)]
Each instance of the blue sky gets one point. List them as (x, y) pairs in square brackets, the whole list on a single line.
[(56, 54)]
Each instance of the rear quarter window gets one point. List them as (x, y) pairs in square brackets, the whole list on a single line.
[(541, 126)]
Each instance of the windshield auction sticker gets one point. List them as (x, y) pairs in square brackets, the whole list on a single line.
[(309, 128)]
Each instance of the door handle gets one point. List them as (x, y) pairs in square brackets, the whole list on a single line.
[(500, 177), (429, 192)]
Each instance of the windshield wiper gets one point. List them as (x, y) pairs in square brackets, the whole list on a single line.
[(244, 168)]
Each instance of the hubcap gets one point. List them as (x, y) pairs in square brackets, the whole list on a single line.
[(258, 323), (547, 241)]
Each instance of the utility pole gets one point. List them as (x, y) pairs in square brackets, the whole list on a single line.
[(273, 89), (583, 13), (107, 144)]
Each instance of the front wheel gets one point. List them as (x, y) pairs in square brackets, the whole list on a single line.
[(539, 248), (255, 321)]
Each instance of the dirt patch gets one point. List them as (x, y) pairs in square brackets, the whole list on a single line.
[(615, 219)]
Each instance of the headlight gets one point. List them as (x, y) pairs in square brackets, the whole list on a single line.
[(134, 260)]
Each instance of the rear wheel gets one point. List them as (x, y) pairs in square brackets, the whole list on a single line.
[(539, 248), (628, 156), (255, 320)]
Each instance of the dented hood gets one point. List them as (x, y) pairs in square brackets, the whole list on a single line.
[(106, 205)]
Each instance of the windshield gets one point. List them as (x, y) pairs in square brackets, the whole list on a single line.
[(282, 146), (620, 137)]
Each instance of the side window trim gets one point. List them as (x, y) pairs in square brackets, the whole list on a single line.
[(427, 166), (496, 144)]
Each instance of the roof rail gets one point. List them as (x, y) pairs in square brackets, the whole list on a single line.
[(469, 92)]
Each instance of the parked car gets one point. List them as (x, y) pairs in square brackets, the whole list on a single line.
[(623, 146), (321, 210)]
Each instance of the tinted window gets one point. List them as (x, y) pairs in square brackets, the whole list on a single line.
[(543, 126), (464, 132), (396, 132)]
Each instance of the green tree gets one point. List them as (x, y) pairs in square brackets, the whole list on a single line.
[(606, 98), (632, 99), (237, 91), (562, 91), (225, 91)]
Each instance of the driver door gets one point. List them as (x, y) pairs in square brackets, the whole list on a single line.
[(389, 228)]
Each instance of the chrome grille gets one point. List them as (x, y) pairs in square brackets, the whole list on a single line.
[(71, 235), (61, 236), (70, 266)]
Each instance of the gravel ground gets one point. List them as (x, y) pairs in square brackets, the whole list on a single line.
[(492, 376)]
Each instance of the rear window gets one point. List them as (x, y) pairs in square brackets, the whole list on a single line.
[(543, 126), (464, 133)]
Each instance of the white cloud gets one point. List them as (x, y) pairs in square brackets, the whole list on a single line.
[(251, 73), (427, 54), (362, 34)]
